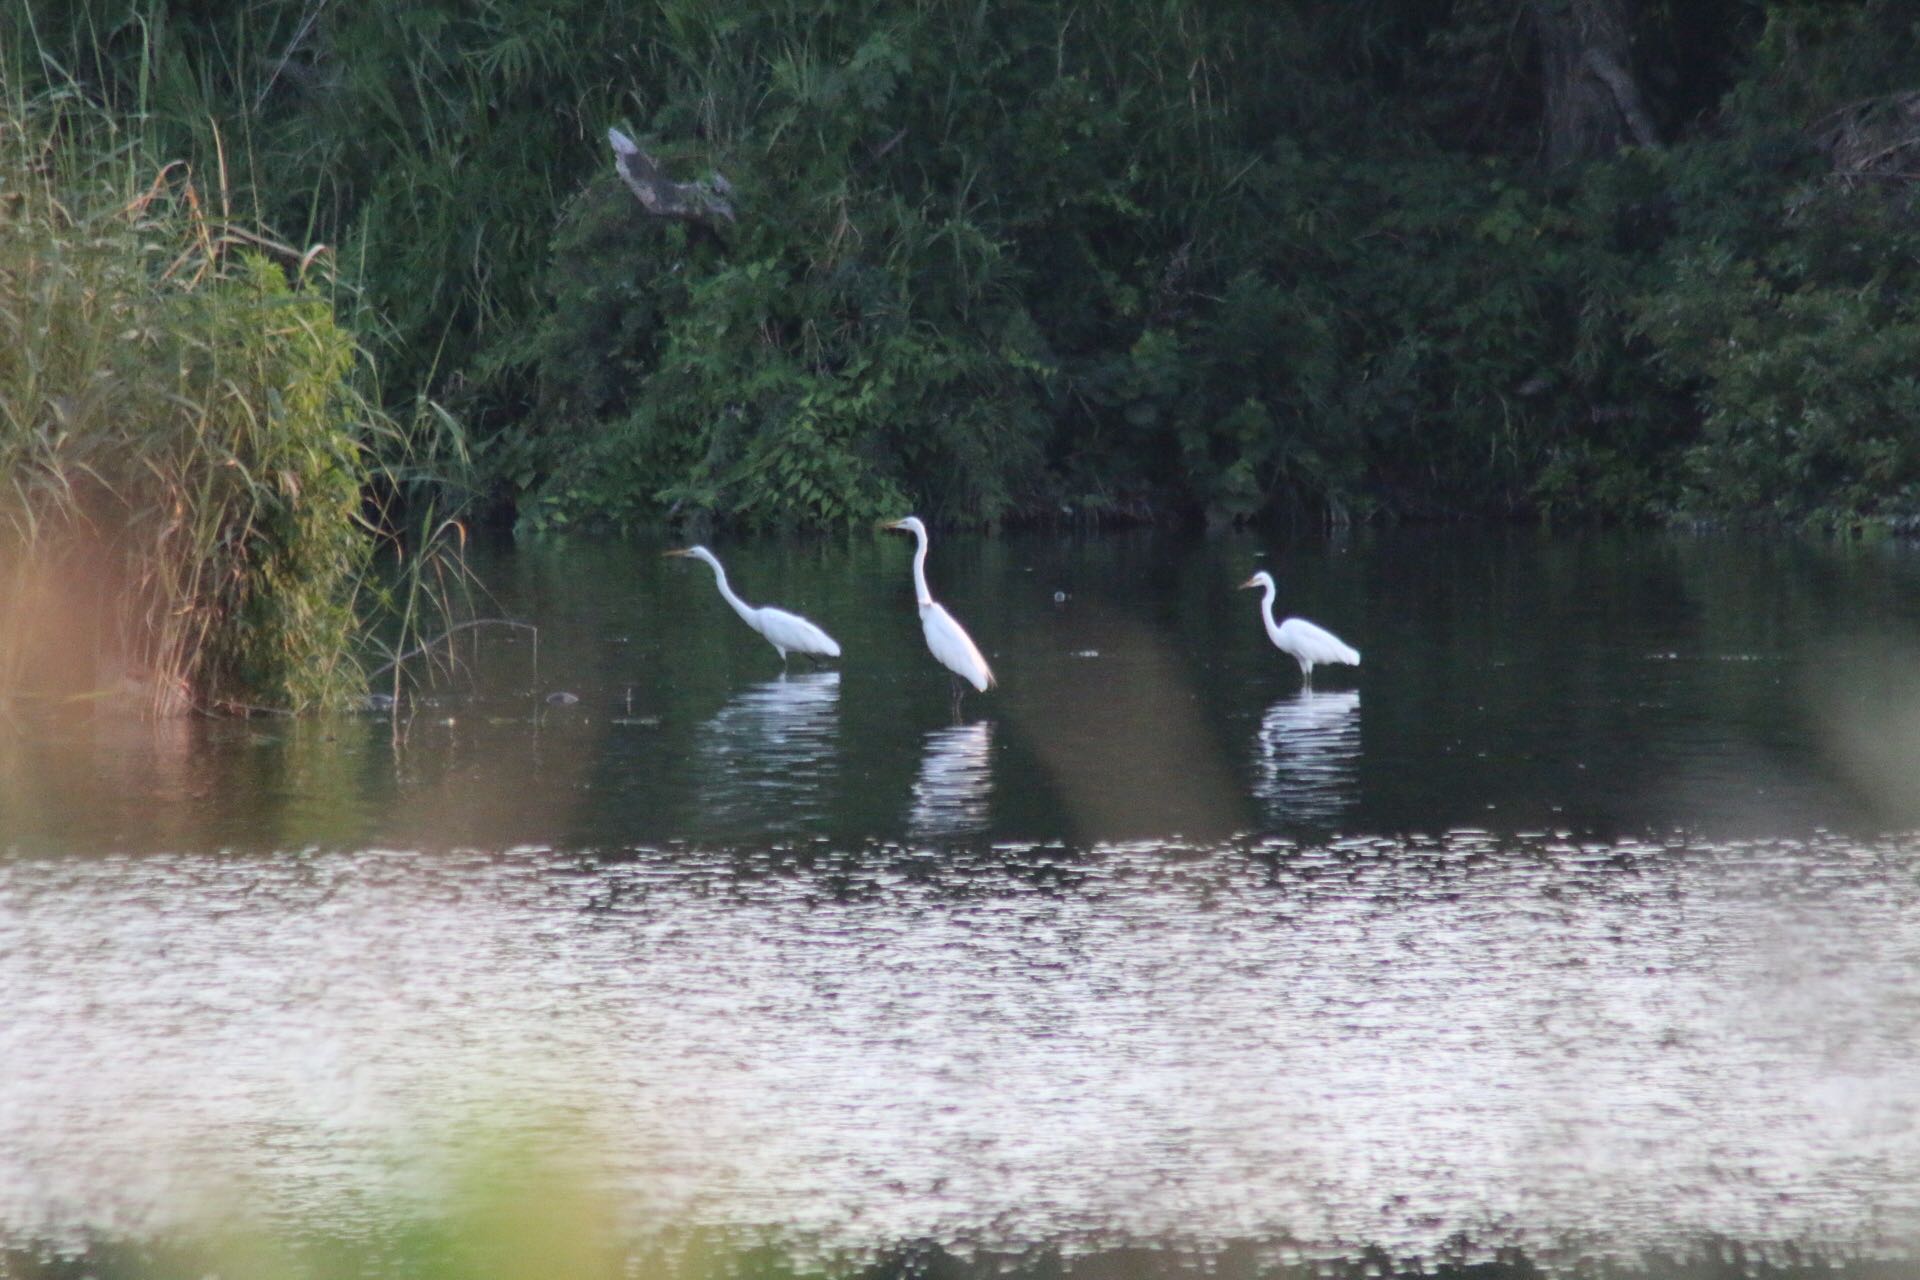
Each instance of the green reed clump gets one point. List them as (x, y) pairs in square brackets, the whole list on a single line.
[(183, 450)]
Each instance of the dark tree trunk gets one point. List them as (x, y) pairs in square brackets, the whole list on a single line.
[(1593, 103)]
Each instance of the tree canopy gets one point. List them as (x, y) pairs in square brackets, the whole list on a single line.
[(1224, 260)]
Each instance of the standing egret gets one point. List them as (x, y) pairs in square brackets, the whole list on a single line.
[(949, 642), (1301, 640), (786, 632)]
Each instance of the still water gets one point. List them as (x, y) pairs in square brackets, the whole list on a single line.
[(1586, 908)]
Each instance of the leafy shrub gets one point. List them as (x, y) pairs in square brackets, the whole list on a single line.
[(1810, 391), (1225, 261), (179, 431)]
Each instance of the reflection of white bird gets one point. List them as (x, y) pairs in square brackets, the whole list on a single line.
[(1308, 755), (767, 759), (786, 632), (947, 639), (1301, 640), (790, 717), (956, 778)]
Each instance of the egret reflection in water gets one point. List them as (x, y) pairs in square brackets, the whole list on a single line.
[(769, 755), (950, 795), (1307, 756)]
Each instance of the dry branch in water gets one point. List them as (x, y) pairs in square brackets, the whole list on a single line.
[(690, 201)]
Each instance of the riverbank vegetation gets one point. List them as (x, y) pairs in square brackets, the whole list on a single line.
[(189, 467), (1620, 259)]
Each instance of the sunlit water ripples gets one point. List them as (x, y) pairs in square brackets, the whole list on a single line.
[(1347, 1042), (1143, 942), (951, 792)]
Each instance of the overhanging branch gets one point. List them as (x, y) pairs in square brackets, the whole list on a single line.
[(689, 201)]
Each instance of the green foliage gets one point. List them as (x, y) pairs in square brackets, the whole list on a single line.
[(183, 449), (862, 332), (1807, 363), (277, 468), (1229, 261)]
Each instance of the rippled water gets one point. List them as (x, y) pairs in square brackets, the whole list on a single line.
[(1587, 908)]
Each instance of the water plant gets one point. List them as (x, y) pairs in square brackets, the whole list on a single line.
[(187, 451)]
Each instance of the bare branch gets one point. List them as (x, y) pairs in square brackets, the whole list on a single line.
[(689, 201)]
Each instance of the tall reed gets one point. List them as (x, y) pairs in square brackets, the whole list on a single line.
[(185, 447)]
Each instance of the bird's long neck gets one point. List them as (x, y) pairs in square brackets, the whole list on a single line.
[(924, 596), (740, 606), (1268, 592)]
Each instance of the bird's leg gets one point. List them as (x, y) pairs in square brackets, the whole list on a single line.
[(958, 692)]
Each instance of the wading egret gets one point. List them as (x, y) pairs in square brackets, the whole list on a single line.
[(949, 642), (1301, 640), (786, 632)]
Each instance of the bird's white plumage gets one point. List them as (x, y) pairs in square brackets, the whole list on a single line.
[(953, 648), (947, 640), (1312, 644), (789, 632), (786, 632), (1306, 643)]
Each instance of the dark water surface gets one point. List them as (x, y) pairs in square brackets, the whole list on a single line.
[(1588, 906)]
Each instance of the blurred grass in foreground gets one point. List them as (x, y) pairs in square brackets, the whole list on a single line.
[(511, 1215)]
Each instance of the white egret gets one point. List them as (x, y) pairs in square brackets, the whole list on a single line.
[(786, 632), (1299, 639), (949, 642)]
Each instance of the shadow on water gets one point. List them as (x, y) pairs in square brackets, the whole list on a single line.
[(1602, 686), (519, 1252)]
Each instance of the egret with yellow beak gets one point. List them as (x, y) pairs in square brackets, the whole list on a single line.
[(786, 632)]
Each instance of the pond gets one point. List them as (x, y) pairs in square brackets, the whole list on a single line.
[(1586, 907)]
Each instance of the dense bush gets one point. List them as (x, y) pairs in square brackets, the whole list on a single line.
[(183, 452), (1121, 296), (1223, 261), (1788, 302)]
